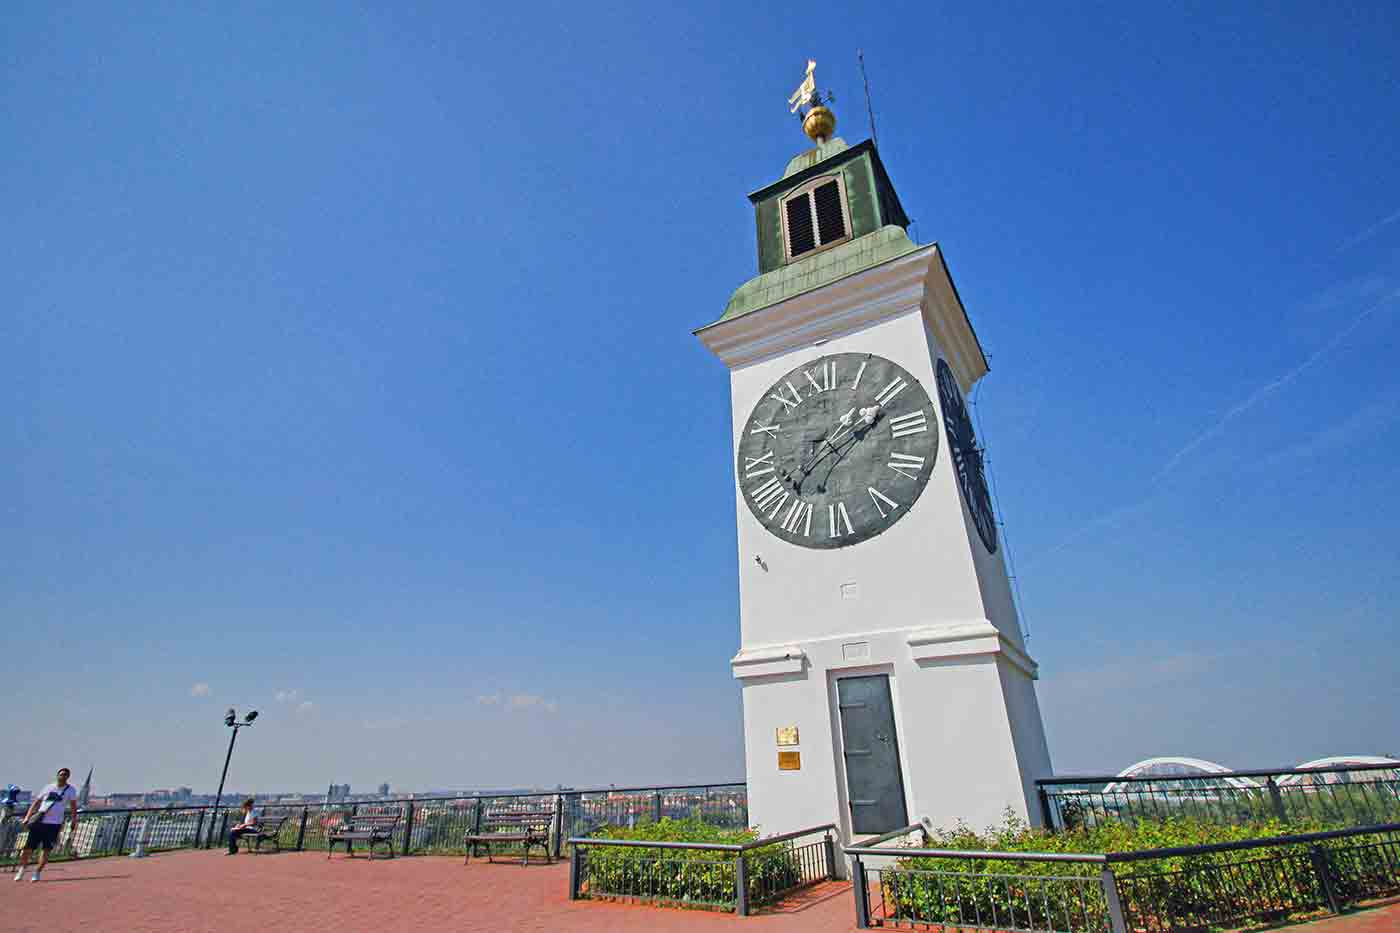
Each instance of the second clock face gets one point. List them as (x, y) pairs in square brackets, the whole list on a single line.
[(838, 450)]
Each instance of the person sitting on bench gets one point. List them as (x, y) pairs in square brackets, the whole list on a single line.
[(249, 824)]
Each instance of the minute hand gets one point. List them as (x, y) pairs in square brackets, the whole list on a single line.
[(846, 425), (827, 443)]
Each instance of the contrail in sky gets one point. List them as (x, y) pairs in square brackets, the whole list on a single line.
[(1235, 411), (1268, 389), (1369, 232)]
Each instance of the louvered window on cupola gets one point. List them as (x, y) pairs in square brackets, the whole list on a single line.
[(814, 216)]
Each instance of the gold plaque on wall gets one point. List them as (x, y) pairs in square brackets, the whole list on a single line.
[(787, 735), (789, 761)]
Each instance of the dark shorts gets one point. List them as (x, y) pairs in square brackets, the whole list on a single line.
[(44, 834)]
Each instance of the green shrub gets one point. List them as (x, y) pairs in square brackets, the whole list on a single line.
[(699, 877), (1031, 892)]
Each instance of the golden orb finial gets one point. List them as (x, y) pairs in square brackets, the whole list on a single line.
[(819, 124)]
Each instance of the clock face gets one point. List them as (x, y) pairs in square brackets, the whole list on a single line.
[(837, 450), (967, 457)]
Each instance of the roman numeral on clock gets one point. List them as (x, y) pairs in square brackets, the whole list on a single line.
[(913, 423), (751, 465), (859, 372), (827, 372), (770, 497), (770, 429), (788, 404), (906, 464), (888, 393), (835, 517), (876, 496), (799, 513)]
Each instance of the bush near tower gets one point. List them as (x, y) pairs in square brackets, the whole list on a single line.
[(688, 876)]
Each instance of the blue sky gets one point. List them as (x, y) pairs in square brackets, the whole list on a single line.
[(349, 376)]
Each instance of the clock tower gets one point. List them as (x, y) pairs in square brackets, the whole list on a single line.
[(885, 677)]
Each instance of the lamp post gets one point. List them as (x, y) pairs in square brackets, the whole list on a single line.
[(230, 720)]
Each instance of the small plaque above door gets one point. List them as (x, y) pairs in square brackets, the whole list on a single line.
[(789, 761), (787, 735)]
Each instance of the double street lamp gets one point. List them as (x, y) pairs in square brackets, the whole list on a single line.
[(231, 720)]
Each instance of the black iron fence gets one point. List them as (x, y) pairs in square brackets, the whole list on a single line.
[(426, 826), (121, 832), (1189, 888), (1351, 795), (727, 876)]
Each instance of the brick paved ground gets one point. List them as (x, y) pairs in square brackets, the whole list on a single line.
[(190, 892), (208, 891)]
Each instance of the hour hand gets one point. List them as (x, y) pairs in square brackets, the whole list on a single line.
[(828, 443)]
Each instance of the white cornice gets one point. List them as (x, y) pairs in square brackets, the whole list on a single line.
[(772, 659), (915, 281), (967, 638)]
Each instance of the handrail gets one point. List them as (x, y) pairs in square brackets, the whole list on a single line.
[(1135, 856), (644, 844), (1207, 775), (970, 854), (892, 834), (770, 840), (702, 846)]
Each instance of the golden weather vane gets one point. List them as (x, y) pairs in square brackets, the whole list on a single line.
[(818, 122)]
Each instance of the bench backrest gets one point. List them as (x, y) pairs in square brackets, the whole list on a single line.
[(374, 820), (271, 824), (533, 819)]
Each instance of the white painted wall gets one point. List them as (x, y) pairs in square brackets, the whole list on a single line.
[(969, 728)]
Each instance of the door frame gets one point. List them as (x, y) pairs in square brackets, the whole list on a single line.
[(838, 739)]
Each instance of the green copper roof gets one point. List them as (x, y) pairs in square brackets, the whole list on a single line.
[(819, 269), (812, 156)]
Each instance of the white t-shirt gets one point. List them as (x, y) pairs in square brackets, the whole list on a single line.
[(59, 798)]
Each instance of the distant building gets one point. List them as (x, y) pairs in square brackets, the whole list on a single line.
[(384, 789), (337, 793)]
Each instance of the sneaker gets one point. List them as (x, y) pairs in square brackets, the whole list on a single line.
[(19, 875), (34, 877)]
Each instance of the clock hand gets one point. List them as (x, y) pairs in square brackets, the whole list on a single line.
[(826, 442), (848, 424)]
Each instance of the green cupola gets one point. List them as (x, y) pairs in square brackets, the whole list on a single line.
[(832, 214)]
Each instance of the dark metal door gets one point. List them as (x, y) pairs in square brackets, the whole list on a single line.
[(874, 783)]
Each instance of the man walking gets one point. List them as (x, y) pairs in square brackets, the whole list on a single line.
[(47, 806)]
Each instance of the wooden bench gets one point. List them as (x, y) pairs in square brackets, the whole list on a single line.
[(529, 828), (369, 828), (267, 828)]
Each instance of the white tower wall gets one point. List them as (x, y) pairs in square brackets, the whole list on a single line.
[(923, 602)]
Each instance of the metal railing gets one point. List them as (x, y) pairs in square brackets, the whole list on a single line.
[(729, 876), (119, 832), (1191, 887), (1350, 795), (427, 825)]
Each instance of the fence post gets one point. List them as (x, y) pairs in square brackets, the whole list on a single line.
[(1046, 816), (198, 830), (408, 829), (1109, 884), (1323, 869), (121, 837), (223, 826), (476, 817), (558, 824), (1277, 799), (829, 845), (862, 893), (575, 871), (301, 830), (741, 886), (656, 808)]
